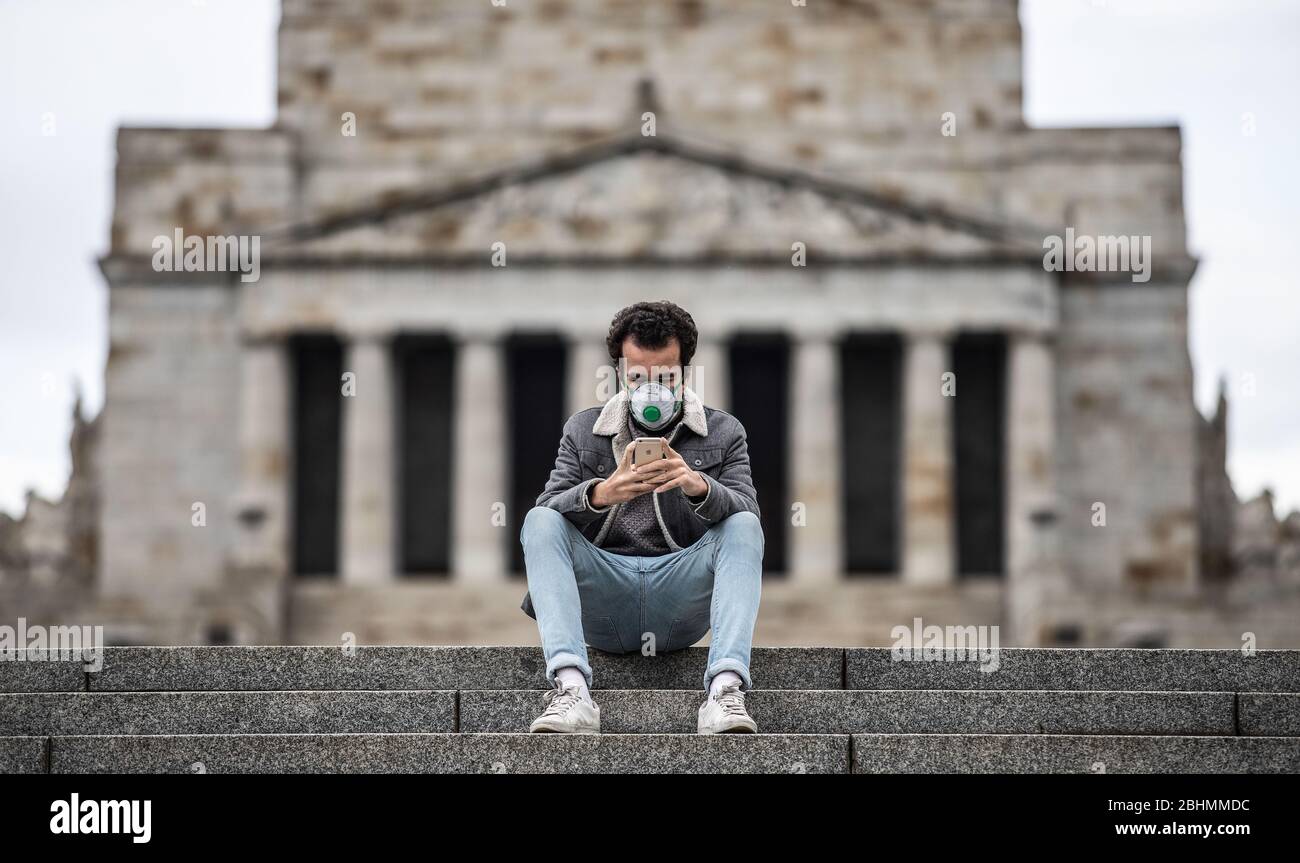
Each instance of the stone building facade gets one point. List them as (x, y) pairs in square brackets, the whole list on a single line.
[(457, 196)]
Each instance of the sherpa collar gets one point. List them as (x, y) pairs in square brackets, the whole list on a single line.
[(613, 419)]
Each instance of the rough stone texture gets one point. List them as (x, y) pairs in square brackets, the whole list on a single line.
[(228, 713), (1269, 714), (411, 709), (1010, 753), (1084, 669), (302, 668), (436, 85), (30, 671), (453, 753), (169, 442), (1127, 440), (887, 712), (22, 755)]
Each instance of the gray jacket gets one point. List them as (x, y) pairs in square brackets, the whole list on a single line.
[(709, 440)]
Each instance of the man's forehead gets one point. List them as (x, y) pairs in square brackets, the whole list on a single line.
[(652, 368)]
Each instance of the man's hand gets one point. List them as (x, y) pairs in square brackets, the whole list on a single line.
[(671, 472), (622, 485)]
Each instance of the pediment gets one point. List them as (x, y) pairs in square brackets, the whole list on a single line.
[(652, 199)]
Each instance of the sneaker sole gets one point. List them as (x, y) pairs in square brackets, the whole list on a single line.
[(545, 730), (735, 729)]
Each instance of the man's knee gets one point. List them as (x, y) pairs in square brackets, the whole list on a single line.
[(542, 522), (742, 527)]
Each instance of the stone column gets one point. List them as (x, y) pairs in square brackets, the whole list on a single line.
[(816, 540), (711, 372), (587, 387), (928, 487), (481, 521), (368, 462), (261, 508), (1033, 564)]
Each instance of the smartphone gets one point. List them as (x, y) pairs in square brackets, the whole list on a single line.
[(647, 449)]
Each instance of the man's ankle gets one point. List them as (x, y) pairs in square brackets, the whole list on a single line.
[(721, 679), (571, 676)]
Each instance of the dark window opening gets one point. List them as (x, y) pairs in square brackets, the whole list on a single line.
[(760, 391), (317, 435), (536, 378), (871, 368), (979, 408), (424, 366)]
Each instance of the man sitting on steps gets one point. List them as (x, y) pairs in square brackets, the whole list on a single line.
[(621, 556)]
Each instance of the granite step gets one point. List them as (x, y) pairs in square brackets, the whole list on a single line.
[(435, 668), (892, 712), (650, 753), (450, 753), (466, 668), (648, 712), (1095, 669), (1052, 753)]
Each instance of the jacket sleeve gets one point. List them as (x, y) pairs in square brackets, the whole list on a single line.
[(565, 489), (733, 490)]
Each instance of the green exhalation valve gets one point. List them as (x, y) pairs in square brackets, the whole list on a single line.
[(650, 414)]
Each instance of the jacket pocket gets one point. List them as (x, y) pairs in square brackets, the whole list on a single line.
[(704, 460), (595, 464)]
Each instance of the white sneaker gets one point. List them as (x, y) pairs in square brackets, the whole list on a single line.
[(567, 712), (725, 713)]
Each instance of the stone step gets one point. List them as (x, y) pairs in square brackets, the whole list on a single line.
[(452, 753), (650, 712), (23, 755), (1269, 714), (464, 668), (1050, 753), (316, 712), (41, 671), (309, 668), (1104, 669), (651, 753), (888, 712)]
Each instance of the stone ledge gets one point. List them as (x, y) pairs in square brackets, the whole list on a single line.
[(622, 712), (1269, 714), (1118, 669), (33, 673), (885, 712), (22, 755), (1019, 753), (453, 753), (328, 667), (317, 712)]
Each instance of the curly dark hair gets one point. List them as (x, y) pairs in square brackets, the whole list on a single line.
[(652, 325)]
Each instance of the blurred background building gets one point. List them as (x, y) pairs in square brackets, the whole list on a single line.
[(457, 197)]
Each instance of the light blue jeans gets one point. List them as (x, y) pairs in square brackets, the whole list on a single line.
[(583, 595)]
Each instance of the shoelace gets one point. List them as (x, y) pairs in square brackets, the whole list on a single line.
[(559, 700), (731, 700)]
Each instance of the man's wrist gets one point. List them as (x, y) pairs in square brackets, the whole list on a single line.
[(591, 494)]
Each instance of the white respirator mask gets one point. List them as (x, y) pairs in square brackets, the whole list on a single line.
[(654, 405)]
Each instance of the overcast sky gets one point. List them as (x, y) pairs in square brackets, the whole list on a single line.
[(89, 66)]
